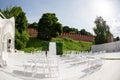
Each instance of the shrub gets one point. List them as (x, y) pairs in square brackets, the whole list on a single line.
[(59, 47), (45, 46)]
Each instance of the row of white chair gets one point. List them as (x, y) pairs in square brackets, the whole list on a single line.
[(49, 66)]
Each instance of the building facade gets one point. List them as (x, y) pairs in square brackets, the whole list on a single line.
[(7, 37)]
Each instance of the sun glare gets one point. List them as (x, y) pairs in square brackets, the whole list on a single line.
[(104, 8)]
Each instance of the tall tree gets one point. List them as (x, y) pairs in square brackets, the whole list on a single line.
[(21, 36), (6, 12), (101, 31), (48, 26), (21, 26)]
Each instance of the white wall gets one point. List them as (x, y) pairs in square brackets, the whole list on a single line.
[(7, 31), (52, 48), (108, 47)]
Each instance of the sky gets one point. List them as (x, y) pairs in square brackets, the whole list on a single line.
[(79, 14)]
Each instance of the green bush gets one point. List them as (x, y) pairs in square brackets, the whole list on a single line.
[(19, 44), (34, 42), (31, 49), (45, 46), (59, 47)]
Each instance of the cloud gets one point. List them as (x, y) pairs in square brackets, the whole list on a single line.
[(115, 26)]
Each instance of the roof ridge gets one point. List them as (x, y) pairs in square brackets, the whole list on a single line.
[(2, 16)]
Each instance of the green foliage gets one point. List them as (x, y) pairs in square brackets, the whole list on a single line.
[(31, 49), (59, 47), (67, 29), (37, 44), (70, 44), (24, 38), (73, 30), (20, 25), (21, 40), (21, 22), (84, 32), (21, 36), (48, 26), (34, 42), (117, 38), (6, 12), (19, 44), (33, 25), (15, 11), (101, 31), (67, 43), (45, 46)]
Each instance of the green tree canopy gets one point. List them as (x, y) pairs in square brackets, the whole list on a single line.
[(117, 38), (21, 26), (73, 30), (48, 26), (102, 31), (67, 29), (6, 12), (84, 32), (33, 25)]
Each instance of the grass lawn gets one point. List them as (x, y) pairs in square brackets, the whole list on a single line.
[(68, 44)]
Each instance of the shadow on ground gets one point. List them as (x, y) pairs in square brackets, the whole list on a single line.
[(91, 70), (30, 74)]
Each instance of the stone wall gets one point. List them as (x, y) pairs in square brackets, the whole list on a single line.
[(108, 47), (32, 32), (77, 37)]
